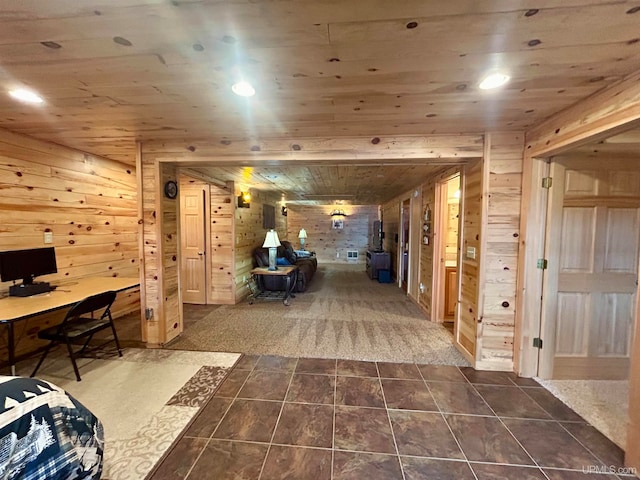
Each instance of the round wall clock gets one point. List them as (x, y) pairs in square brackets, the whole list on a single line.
[(171, 189)]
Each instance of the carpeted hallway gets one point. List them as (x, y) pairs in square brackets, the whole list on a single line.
[(342, 315)]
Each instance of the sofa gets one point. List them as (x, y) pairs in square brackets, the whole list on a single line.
[(307, 266)]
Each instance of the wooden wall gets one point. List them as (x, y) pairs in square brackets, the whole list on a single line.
[(331, 245), (249, 234), (87, 202), (222, 287), (160, 239), (503, 193)]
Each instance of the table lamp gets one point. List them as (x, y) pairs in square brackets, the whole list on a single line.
[(272, 242), (302, 236)]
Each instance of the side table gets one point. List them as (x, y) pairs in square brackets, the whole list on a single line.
[(290, 272)]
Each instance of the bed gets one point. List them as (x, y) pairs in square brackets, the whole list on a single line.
[(46, 434)]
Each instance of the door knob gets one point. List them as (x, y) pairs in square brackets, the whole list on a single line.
[(200, 253)]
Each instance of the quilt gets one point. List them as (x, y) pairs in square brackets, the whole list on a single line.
[(46, 434)]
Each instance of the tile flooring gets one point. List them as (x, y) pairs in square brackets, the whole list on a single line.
[(277, 418)]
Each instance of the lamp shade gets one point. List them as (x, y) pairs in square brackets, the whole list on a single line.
[(303, 233), (271, 240)]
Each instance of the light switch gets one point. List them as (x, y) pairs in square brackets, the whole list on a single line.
[(471, 252), (48, 237)]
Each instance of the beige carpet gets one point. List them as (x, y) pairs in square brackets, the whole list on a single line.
[(603, 403), (343, 314)]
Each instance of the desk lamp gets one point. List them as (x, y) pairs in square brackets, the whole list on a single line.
[(272, 242), (302, 236)]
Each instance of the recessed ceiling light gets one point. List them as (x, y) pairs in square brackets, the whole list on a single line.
[(244, 89), (493, 80), (26, 96)]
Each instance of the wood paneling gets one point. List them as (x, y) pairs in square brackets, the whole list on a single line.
[(331, 245), (333, 180), (503, 177), (250, 233), (161, 243), (87, 202), (119, 72), (222, 250)]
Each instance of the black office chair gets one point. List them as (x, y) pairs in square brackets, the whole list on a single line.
[(75, 326)]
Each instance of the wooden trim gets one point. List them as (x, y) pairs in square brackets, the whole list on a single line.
[(533, 217), (159, 314), (438, 240), (384, 149), (482, 245), (141, 262), (415, 236), (603, 114), (207, 244), (632, 452)]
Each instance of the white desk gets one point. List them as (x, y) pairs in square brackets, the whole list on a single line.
[(14, 309)]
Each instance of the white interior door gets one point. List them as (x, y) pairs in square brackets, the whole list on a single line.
[(193, 252), (591, 281)]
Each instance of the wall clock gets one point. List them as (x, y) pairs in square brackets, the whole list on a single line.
[(171, 189)]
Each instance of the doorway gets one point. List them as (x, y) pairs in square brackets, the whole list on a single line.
[(193, 241), (405, 221), (590, 283), (448, 249)]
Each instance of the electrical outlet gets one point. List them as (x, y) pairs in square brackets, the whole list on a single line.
[(48, 237)]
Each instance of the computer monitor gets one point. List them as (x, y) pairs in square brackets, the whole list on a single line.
[(25, 265)]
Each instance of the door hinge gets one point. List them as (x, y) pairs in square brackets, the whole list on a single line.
[(537, 342), (547, 182), (542, 263)]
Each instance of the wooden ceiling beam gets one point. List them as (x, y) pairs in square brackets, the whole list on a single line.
[(607, 112)]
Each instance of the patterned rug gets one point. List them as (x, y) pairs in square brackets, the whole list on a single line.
[(144, 399)]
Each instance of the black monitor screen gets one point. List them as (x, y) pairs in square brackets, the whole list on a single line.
[(27, 264)]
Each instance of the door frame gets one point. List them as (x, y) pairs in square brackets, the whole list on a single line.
[(529, 281), (401, 243), (439, 241)]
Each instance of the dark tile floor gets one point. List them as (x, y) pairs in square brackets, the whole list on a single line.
[(287, 418)]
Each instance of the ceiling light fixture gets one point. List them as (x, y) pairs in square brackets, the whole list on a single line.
[(26, 96), (493, 80), (244, 89)]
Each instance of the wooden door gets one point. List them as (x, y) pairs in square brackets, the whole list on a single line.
[(591, 280), (192, 237)]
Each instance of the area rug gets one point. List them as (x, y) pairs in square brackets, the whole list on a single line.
[(144, 399), (344, 314)]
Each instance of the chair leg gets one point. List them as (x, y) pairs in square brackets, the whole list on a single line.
[(73, 360), (44, 354), (115, 335), (84, 347)]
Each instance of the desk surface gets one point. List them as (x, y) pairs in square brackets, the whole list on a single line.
[(16, 308)]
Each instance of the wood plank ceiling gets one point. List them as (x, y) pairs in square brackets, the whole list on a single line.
[(114, 72)]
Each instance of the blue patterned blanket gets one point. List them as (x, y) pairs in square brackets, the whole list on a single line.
[(46, 434)]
